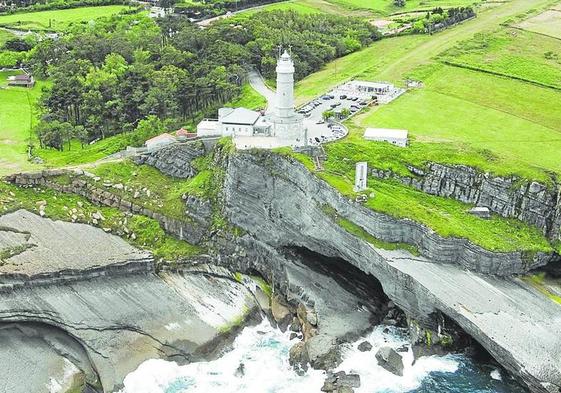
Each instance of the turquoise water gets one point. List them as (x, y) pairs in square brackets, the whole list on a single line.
[(262, 352)]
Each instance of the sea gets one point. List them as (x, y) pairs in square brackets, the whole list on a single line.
[(258, 363)]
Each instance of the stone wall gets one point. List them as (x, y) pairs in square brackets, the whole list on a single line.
[(531, 202), (193, 228)]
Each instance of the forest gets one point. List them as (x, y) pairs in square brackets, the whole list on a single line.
[(105, 78)]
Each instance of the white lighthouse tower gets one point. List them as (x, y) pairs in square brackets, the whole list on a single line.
[(287, 125), (284, 106)]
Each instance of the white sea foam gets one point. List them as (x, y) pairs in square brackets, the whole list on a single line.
[(496, 375), (374, 378), (263, 351)]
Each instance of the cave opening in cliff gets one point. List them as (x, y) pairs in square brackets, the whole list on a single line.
[(60, 359), (363, 286)]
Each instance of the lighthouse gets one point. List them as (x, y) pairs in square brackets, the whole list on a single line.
[(284, 105)]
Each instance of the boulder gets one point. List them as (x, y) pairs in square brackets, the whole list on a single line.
[(389, 359), (364, 346), (281, 313)]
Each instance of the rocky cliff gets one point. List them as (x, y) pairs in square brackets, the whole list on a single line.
[(85, 304), (279, 203), (529, 201)]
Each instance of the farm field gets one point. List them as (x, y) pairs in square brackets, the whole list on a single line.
[(512, 52), (57, 20), (547, 23), (16, 115)]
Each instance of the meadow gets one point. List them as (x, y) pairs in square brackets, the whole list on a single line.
[(546, 23), (366, 8), (17, 114), (5, 36), (57, 20), (511, 52), (461, 116)]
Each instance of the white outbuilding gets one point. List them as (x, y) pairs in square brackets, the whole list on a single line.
[(393, 136)]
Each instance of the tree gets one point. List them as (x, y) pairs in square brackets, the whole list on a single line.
[(54, 133), (345, 112), (328, 114), (399, 3)]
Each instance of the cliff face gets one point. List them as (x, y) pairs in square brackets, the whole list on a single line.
[(531, 202), (279, 203), (88, 297)]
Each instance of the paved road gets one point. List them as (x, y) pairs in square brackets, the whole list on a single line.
[(258, 84)]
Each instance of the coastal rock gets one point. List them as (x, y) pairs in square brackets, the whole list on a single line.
[(389, 359), (175, 160), (283, 212), (364, 346)]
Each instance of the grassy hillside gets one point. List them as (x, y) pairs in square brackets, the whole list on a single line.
[(57, 20), (368, 8), (512, 52), (17, 113), (5, 36), (461, 116)]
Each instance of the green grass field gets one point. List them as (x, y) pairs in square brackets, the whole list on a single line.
[(365, 64), (57, 20), (249, 98), (365, 8), (547, 23), (514, 53), (5, 36), (17, 112), (460, 116)]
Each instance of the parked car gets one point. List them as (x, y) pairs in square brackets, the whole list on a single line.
[(343, 96)]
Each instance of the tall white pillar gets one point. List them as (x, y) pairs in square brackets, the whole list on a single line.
[(285, 87)]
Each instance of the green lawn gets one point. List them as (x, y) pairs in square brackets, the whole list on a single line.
[(17, 112), (5, 36), (508, 119), (512, 52), (249, 98), (57, 20), (460, 116), (387, 7)]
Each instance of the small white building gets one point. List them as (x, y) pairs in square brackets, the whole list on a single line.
[(159, 141), (361, 176), (393, 136)]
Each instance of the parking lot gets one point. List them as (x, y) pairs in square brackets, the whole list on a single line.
[(320, 131)]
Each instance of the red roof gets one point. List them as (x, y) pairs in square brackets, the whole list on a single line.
[(161, 137), (182, 132)]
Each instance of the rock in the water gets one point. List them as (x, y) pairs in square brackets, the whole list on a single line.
[(364, 346), (341, 382), (240, 371), (281, 313), (389, 359)]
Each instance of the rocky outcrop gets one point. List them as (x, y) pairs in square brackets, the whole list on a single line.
[(279, 203), (529, 201), (391, 360), (100, 305), (193, 227), (270, 173), (174, 160)]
